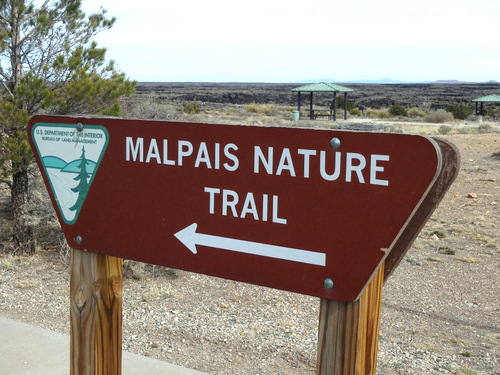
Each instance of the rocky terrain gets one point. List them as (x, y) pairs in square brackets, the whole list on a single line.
[(426, 96)]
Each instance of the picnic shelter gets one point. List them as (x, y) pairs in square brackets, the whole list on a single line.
[(493, 98), (323, 87)]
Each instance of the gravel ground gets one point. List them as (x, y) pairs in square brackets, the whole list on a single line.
[(440, 310)]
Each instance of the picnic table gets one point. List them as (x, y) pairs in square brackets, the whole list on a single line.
[(315, 113)]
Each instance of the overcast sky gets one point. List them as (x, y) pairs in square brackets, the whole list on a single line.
[(292, 41)]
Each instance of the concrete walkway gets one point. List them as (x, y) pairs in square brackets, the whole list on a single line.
[(29, 350)]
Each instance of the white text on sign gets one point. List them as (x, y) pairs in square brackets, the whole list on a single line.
[(331, 166), (347, 167)]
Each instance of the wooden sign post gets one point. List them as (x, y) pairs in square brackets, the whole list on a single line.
[(348, 332), (95, 314), (337, 208)]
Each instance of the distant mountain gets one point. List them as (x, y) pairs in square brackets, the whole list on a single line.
[(450, 81), (388, 81), (384, 81)]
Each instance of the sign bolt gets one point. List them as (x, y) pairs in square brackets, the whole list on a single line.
[(328, 283), (335, 143), (79, 239), (79, 127)]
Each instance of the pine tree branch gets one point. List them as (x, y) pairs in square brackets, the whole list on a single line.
[(36, 12)]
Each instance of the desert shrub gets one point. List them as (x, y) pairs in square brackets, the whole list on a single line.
[(486, 112), (416, 112), (152, 110), (439, 117), (263, 109), (378, 113), (444, 129), (149, 106), (190, 108), (460, 111), (355, 112), (340, 103), (398, 110), (484, 128)]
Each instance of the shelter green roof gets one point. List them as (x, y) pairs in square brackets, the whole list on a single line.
[(322, 87), (488, 98)]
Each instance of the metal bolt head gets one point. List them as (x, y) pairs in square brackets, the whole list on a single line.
[(79, 127), (335, 143), (79, 239), (328, 283)]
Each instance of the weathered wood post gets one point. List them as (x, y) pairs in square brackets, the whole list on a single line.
[(95, 314), (348, 332)]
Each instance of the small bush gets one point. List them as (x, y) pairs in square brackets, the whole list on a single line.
[(355, 112), (460, 111), (191, 108), (484, 128), (263, 109), (340, 103), (446, 250), (439, 234), (378, 113), (439, 117), (415, 112), (444, 129), (150, 106), (397, 110)]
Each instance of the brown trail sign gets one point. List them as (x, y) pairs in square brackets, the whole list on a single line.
[(309, 211)]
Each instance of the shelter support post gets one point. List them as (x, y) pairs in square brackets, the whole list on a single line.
[(345, 105), (348, 332), (95, 314), (298, 107), (335, 106), (311, 112)]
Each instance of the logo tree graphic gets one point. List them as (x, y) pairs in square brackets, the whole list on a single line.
[(83, 186)]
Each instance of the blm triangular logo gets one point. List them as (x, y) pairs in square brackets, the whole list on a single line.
[(70, 159)]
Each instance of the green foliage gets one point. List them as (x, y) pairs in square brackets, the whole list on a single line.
[(397, 110), (446, 250), (56, 71), (191, 108), (460, 111), (340, 103), (48, 64)]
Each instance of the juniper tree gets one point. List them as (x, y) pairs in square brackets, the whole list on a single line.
[(48, 64)]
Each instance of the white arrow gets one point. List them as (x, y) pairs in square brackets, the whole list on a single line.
[(190, 239)]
